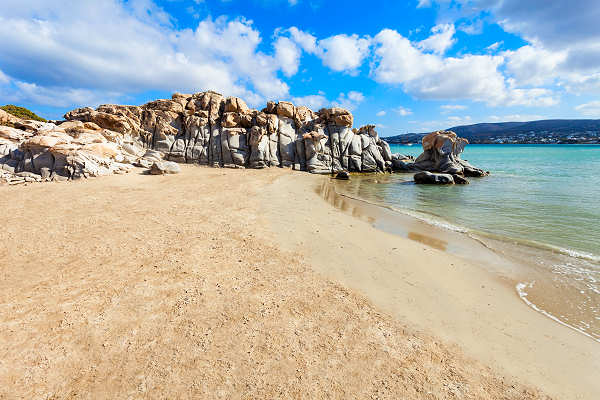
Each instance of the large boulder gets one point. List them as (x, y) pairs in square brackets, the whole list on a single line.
[(441, 153), (234, 147), (163, 168), (318, 153), (434, 179)]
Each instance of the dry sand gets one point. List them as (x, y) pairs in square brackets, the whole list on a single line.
[(182, 286)]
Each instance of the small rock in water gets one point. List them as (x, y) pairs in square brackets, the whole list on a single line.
[(343, 175), (436, 179)]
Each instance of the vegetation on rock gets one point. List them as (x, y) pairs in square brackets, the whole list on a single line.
[(22, 113)]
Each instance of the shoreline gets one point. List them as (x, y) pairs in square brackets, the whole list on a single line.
[(503, 263), (489, 319)]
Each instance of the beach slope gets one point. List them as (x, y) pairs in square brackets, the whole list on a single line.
[(140, 286)]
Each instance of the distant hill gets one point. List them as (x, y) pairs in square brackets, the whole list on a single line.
[(544, 131)]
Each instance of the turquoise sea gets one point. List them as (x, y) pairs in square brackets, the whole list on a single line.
[(544, 200)]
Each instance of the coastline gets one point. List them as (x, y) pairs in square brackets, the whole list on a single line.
[(437, 288), (518, 260), (203, 284)]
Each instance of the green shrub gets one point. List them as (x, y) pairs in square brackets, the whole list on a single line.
[(21, 112)]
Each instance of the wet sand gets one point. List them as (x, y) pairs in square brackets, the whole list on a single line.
[(424, 277), (239, 284)]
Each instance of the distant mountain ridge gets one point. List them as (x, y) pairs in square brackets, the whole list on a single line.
[(542, 131)]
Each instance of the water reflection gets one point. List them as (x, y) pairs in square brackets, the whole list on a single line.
[(327, 191), (428, 240)]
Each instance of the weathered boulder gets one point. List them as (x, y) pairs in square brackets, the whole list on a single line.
[(287, 139), (318, 153), (234, 147), (235, 104), (431, 178), (440, 153), (164, 167)]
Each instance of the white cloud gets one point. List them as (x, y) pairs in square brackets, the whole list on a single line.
[(431, 76), (349, 101), (3, 78), (494, 46), (314, 101), (344, 52), (381, 113), (460, 120), (531, 65), (305, 40), (442, 39), (402, 111), (133, 47), (564, 41), (451, 121), (591, 109), (515, 118), (288, 55), (452, 107)]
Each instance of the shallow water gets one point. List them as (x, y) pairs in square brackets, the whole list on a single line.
[(539, 207)]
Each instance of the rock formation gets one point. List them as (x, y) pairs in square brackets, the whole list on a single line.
[(210, 129), (441, 155), (204, 128)]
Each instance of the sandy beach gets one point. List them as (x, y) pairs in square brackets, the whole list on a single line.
[(219, 283)]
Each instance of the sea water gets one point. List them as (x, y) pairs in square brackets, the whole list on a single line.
[(540, 206)]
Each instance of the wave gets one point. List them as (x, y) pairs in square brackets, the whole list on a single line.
[(520, 287)]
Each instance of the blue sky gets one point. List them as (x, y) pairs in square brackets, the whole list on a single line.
[(410, 66)]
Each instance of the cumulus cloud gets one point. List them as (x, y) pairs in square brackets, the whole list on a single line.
[(349, 100), (402, 111), (442, 39), (341, 53), (344, 52), (381, 113), (432, 76), (531, 65), (591, 109), (564, 41), (288, 55), (305, 40), (99, 46), (313, 101)]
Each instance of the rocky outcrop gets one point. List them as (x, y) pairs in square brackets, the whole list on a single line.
[(441, 155), (204, 128), (210, 129)]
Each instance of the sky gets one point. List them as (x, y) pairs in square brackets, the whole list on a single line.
[(406, 66)]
